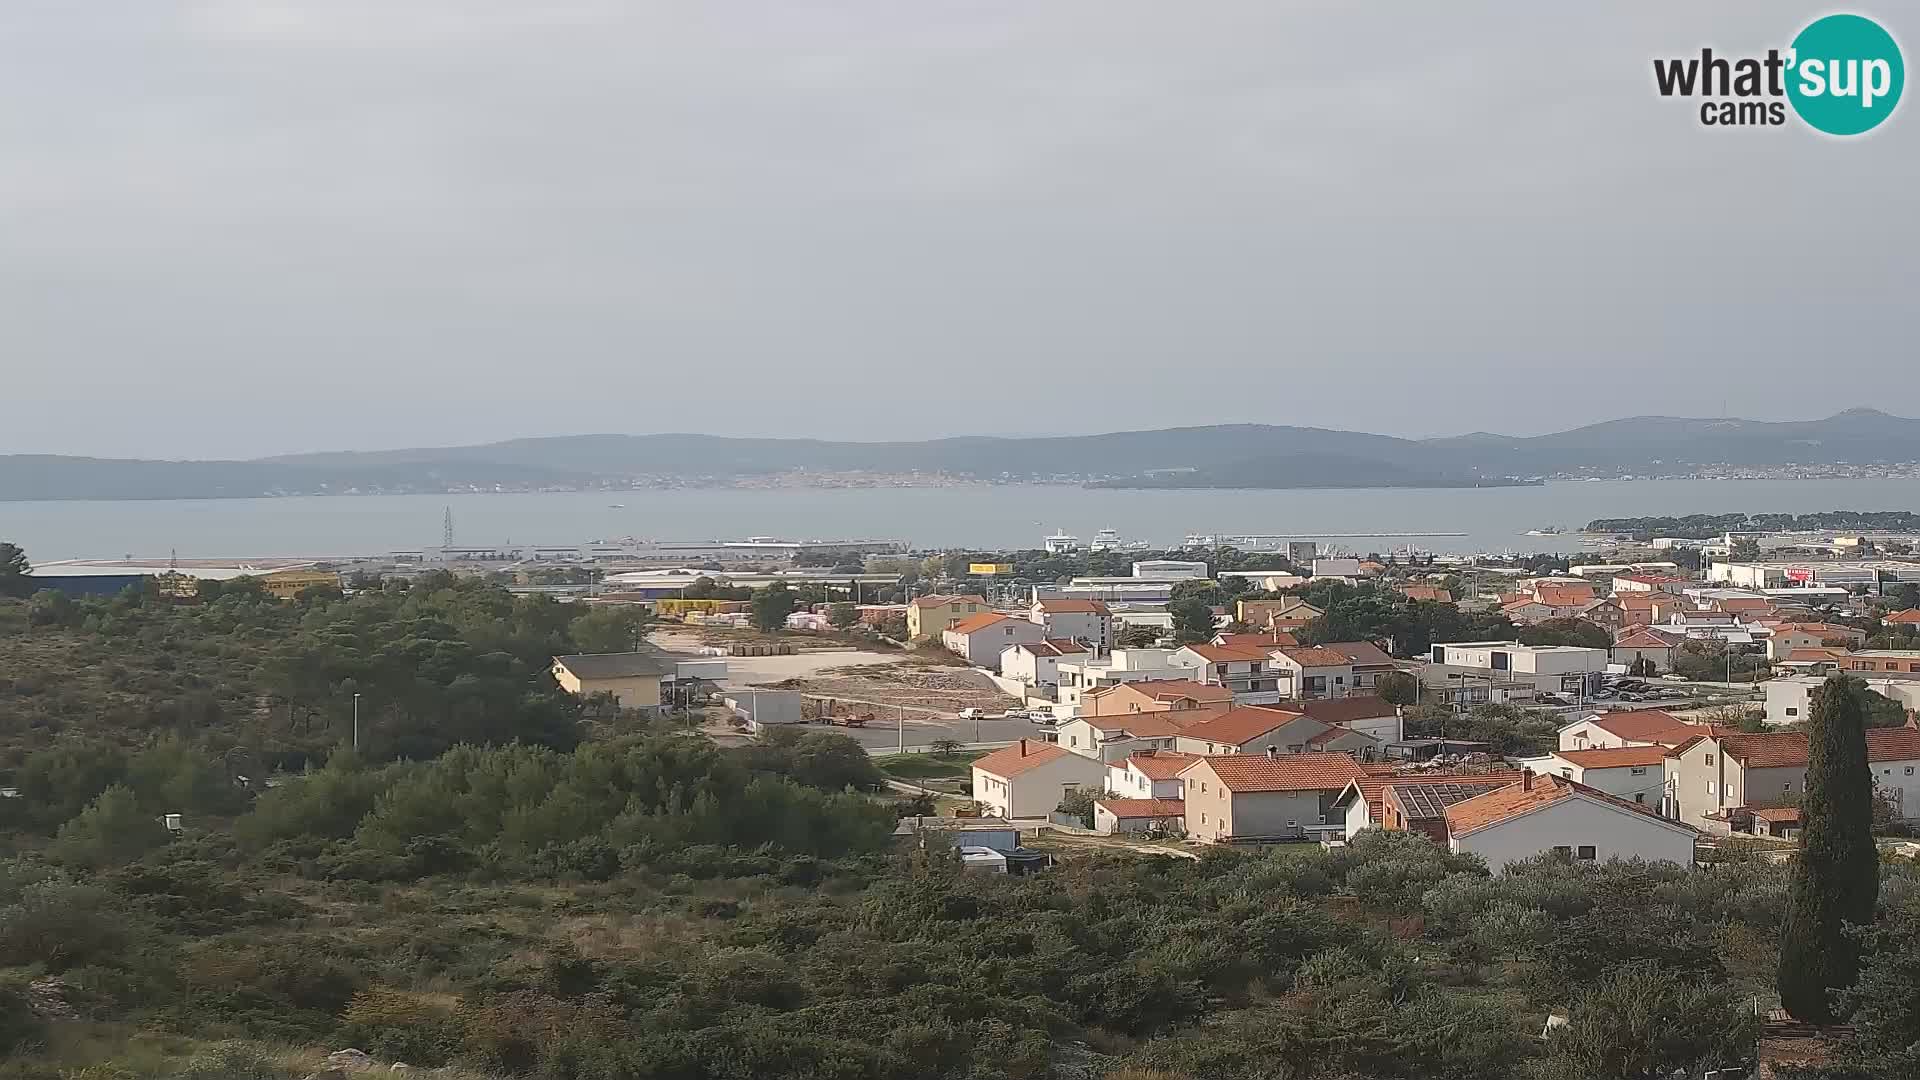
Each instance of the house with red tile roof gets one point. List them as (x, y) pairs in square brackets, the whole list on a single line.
[(1363, 803), (1369, 662), (1148, 774), (1263, 640), (1636, 643), (1262, 729), (1552, 814), (1037, 663), (1630, 727), (1116, 737), (929, 616), (1255, 797), (1316, 671), (1637, 774), (1248, 673), (1787, 637), (1029, 778), (1088, 621), (1909, 617), (1709, 775), (1430, 593), (1155, 695), (1116, 815), (980, 639)]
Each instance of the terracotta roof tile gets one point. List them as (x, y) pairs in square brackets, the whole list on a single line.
[(1023, 756), (1159, 764), (1158, 724), (1515, 799), (1316, 656), (1344, 710), (1262, 642), (1647, 725), (1143, 808), (1615, 757), (1639, 637), (1904, 618), (1235, 727), (1252, 773), (973, 624), (1073, 607), (1788, 749), (1379, 777), (1362, 653)]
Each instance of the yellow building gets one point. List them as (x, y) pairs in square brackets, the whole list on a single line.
[(633, 678), (928, 617), (677, 607), (287, 584)]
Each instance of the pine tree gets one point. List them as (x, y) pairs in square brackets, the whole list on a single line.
[(1836, 879)]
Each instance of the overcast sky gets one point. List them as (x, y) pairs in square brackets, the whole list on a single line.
[(249, 227)]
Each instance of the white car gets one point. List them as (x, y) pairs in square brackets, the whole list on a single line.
[(1673, 678)]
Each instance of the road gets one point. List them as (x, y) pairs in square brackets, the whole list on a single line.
[(881, 736)]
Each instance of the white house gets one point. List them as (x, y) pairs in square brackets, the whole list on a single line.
[(1554, 814), (1634, 727), (1248, 673), (1037, 663), (1114, 738), (1081, 677), (1148, 774), (1088, 621), (981, 638), (1117, 815), (1316, 671), (1028, 779), (1637, 774)]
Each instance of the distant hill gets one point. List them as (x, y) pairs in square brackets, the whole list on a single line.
[(1227, 455)]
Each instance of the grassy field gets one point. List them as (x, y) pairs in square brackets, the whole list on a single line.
[(955, 766)]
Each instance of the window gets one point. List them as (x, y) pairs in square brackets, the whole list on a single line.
[(1709, 787), (1637, 770), (1909, 770), (1709, 759), (1640, 797), (1292, 824), (1203, 817), (1323, 819), (1588, 853), (1788, 786), (1791, 711), (1073, 740)]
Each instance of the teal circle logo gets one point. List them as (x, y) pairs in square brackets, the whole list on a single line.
[(1846, 74)]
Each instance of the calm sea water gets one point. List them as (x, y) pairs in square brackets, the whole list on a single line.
[(1493, 519)]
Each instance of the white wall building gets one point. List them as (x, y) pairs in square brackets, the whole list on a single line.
[(1078, 678), (1029, 778), (1089, 621), (1037, 663), (1554, 814), (1169, 570)]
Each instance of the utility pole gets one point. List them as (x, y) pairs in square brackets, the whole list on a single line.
[(356, 720), (900, 728)]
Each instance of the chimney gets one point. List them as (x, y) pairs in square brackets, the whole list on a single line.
[(1273, 751), (1526, 779)]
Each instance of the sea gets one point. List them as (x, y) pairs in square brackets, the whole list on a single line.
[(983, 517)]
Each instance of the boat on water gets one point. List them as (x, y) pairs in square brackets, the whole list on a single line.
[(1105, 540)]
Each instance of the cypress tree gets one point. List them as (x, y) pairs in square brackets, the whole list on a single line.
[(1836, 879)]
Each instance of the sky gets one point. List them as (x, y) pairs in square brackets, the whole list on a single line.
[(243, 227)]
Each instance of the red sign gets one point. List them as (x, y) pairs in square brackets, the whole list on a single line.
[(1800, 574)]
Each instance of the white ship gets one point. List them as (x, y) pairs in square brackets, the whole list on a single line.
[(1105, 540), (1061, 542)]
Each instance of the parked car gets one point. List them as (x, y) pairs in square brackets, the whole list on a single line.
[(973, 714)]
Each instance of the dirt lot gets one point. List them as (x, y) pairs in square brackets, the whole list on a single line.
[(914, 681), (914, 686)]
